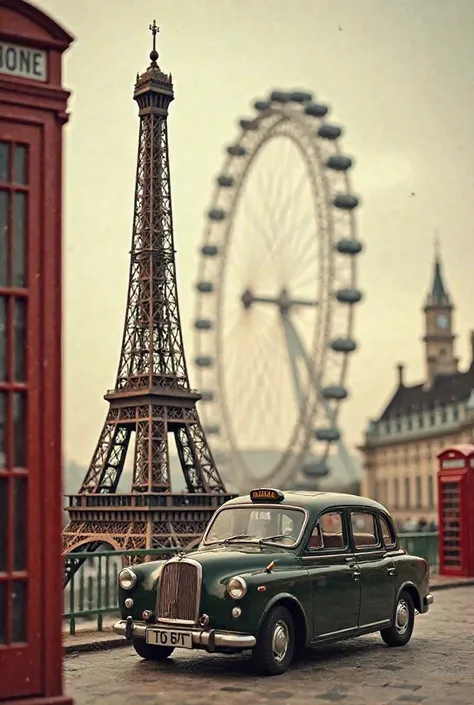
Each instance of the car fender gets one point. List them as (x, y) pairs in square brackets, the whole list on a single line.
[(285, 597), (411, 588)]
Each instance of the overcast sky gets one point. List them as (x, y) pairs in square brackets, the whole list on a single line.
[(399, 76)]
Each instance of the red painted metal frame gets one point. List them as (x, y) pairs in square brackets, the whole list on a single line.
[(463, 478), (36, 108)]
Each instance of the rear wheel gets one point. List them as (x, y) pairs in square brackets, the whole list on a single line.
[(151, 653), (401, 630), (276, 643)]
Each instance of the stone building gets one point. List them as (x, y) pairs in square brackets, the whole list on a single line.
[(400, 447)]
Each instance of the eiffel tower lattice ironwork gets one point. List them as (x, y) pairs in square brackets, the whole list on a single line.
[(152, 396)]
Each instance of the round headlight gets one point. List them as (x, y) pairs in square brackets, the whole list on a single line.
[(237, 587), (127, 579)]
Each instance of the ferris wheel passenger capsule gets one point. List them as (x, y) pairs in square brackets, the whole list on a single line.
[(212, 430), (225, 181), (334, 392), (348, 246), (316, 469), (338, 162), (216, 214), (327, 434), (247, 124), (329, 132), (348, 296), (280, 97), (301, 97), (236, 150), (205, 287), (209, 250), (343, 345), (204, 361), (261, 105), (346, 201), (203, 324), (316, 109), (207, 395)]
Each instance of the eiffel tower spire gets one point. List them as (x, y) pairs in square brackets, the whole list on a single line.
[(152, 397)]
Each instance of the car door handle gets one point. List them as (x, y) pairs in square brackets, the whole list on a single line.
[(356, 574), (391, 571)]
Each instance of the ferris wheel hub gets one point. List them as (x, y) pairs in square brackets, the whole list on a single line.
[(284, 302)]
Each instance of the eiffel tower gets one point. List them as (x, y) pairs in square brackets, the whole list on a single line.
[(152, 396)]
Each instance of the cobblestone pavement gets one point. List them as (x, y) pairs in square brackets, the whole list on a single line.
[(436, 668)]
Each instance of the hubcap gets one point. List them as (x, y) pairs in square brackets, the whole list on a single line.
[(402, 617), (280, 640)]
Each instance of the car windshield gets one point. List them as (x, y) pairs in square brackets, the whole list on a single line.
[(273, 525)]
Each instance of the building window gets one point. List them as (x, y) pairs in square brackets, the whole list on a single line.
[(407, 493), (418, 491), (387, 427), (399, 425), (432, 418), (396, 493), (444, 414), (410, 423), (431, 498), (421, 421), (455, 413)]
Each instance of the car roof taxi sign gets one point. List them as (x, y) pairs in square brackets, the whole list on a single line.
[(266, 494)]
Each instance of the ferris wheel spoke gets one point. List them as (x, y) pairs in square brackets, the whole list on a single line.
[(281, 219), (301, 251)]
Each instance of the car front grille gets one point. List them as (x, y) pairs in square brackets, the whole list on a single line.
[(178, 597)]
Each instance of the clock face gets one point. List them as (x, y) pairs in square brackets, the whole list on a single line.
[(442, 321)]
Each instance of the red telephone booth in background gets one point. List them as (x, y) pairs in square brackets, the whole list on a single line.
[(456, 510), (32, 114)]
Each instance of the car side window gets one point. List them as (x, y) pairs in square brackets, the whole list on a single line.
[(364, 529), (328, 533), (387, 532)]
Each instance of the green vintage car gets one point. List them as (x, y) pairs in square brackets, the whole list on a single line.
[(276, 572)]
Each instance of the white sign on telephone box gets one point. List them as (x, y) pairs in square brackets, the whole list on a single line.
[(24, 62)]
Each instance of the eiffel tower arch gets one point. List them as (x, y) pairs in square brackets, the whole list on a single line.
[(152, 397)]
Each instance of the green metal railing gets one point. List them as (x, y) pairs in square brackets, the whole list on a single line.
[(92, 592), (423, 544)]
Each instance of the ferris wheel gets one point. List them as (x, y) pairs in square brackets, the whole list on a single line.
[(276, 293)]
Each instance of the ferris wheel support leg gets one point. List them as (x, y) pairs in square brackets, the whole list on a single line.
[(293, 359), (294, 344)]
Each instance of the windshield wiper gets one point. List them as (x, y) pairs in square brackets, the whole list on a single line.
[(230, 538), (274, 538), (237, 537)]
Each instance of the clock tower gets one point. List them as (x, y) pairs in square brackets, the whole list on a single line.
[(439, 337)]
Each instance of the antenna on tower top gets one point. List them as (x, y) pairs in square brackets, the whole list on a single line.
[(436, 243), (154, 29)]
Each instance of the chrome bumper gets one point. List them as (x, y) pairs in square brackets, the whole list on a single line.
[(210, 639), (427, 601)]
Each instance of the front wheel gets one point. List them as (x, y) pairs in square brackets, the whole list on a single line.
[(401, 630), (151, 653), (276, 643)]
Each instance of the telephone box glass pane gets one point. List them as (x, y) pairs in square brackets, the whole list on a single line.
[(19, 611), (20, 524), (4, 200), (3, 611), (4, 161), (19, 430), (451, 529), (3, 338), (3, 434), (3, 523), (19, 233), (20, 164), (19, 353)]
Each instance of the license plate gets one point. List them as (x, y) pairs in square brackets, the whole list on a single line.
[(167, 637)]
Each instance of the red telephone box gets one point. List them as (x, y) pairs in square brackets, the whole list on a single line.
[(456, 510), (32, 113)]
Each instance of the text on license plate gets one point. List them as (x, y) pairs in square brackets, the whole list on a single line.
[(181, 640)]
